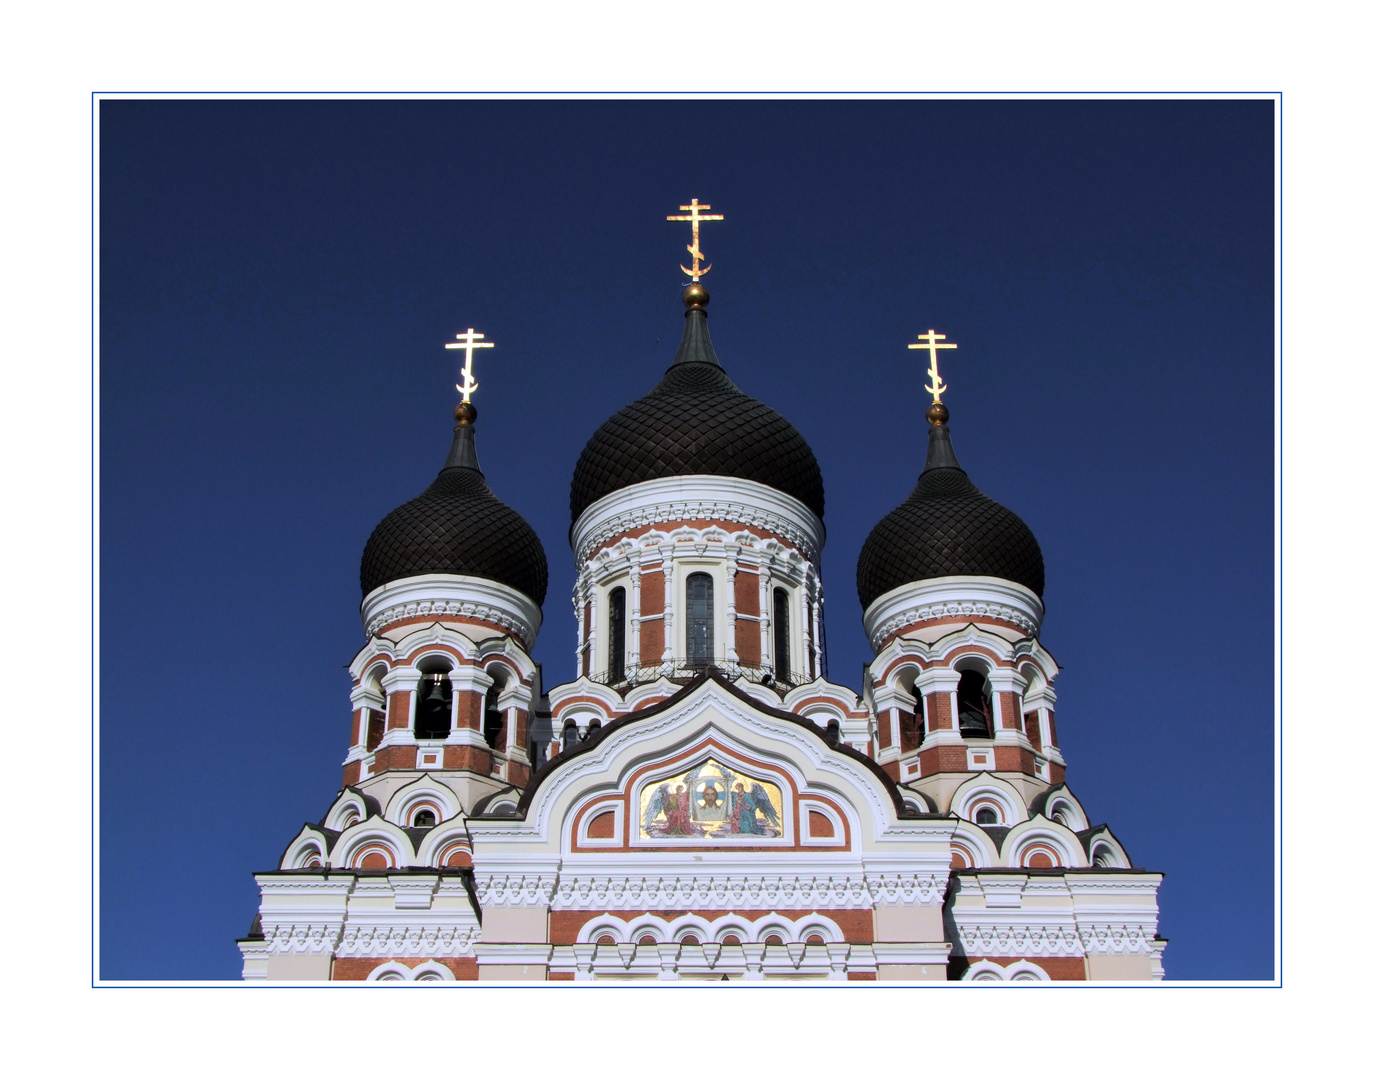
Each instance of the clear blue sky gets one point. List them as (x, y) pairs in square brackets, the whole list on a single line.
[(278, 280)]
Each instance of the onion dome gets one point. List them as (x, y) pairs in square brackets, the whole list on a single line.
[(946, 528), (696, 421), (457, 526)]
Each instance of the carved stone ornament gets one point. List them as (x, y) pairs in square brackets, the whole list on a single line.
[(437, 608), (417, 939)]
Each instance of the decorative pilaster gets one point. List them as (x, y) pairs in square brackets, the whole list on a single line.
[(766, 613), (667, 657), (581, 624), (731, 568), (632, 649)]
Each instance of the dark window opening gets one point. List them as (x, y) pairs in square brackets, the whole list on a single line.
[(493, 723), (832, 732), (376, 726), (617, 643), (701, 621), (782, 636), (434, 710), (569, 739), (425, 819), (986, 816), (913, 724), (975, 712)]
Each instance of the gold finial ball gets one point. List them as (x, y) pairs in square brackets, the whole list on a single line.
[(465, 413), (937, 414), (695, 295)]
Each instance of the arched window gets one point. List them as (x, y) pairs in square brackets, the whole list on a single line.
[(374, 720), (913, 728), (493, 723), (701, 621), (434, 710), (617, 641), (986, 815), (832, 732), (376, 727), (782, 636), (424, 819), (975, 712), (569, 739)]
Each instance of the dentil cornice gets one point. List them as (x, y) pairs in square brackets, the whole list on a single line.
[(697, 498)]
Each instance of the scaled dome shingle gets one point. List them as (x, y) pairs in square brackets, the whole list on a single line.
[(695, 421), (945, 528), (457, 526)]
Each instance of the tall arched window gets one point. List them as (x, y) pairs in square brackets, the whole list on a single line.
[(975, 711), (701, 620), (617, 642), (782, 636), (434, 709)]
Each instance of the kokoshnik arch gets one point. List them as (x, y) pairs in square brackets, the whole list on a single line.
[(701, 802)]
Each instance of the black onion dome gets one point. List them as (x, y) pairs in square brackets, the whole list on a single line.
[(696, 421), (947, 527), (457, 526)]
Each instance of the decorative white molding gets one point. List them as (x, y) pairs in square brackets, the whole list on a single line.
[(515, 890), (452, 594), (888, 889), (1020, 938), (969, 597), (1116, 938), (697, 498), (725, 891), (447, 938), (301, 937)]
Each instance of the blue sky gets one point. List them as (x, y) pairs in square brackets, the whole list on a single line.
[(277, 283)]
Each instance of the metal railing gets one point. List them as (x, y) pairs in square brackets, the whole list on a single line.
[(685, 670)]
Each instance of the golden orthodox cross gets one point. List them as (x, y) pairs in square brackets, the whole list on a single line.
[(469, 341), (696, 218), (929, 342)]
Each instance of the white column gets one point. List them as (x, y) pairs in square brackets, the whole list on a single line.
[(731, 568), (632, 649), (591, 631), (577, 614), (667, 605), (818, 599), (765, 612), (808, 598)]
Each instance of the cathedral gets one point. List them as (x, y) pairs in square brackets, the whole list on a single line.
[(701, 802)]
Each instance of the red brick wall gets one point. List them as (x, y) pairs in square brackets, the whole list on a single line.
[(602, 827), (1011, 710), (470, 710), (1014, 759), (938, 715), (651, 641), (474, 758), (651, 594), (746, 593), (398, 709), (944, 759), (747, 641)]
